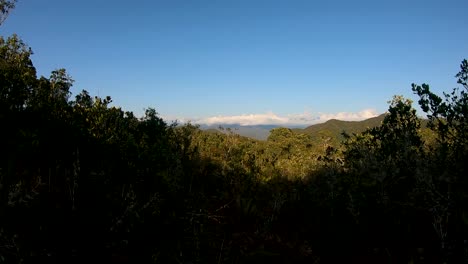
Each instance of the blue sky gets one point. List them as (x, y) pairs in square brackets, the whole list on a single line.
[(276, 60)]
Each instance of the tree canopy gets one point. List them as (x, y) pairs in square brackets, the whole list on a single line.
[(5, 7), (81, 179)]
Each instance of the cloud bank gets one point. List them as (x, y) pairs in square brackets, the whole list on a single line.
[(271, 118)]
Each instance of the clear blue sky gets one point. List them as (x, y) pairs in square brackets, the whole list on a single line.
[(197, 59)]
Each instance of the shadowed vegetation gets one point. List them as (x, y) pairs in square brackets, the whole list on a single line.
[(81, 180)]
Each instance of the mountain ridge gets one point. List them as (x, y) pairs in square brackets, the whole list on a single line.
[(330, 128)]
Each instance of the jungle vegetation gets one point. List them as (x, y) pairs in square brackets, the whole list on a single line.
[(84, 181)]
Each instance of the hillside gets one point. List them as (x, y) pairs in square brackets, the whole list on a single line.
[(331, 131), (260, 132)]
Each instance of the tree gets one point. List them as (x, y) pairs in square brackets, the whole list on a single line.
[(449, 117), (446, 182), (17, 74), (17, 79), (381, 168), (5, 7)]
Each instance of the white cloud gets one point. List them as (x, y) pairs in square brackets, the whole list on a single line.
[(247, 119), (271, 118), (349, 116)]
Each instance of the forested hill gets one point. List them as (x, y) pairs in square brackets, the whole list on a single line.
[(259, 132), (330, 131), (83, 181), (333, 128), (338, 126)]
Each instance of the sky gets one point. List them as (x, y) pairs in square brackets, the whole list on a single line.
[(249, 62)]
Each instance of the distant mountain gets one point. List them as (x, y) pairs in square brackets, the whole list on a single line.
[(212, 130), (332, 129), (338, 126), (329, 131), (260, 132)]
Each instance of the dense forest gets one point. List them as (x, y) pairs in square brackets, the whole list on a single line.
[(84, 181)]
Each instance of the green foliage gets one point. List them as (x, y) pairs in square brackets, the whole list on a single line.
[(331, 132), (385, 159), (17, 75), (5, 8), (448, 117), (82, 179), (446, 174)]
